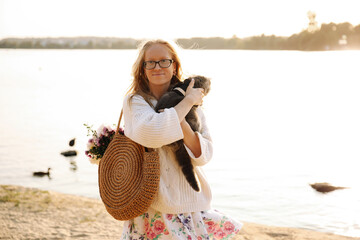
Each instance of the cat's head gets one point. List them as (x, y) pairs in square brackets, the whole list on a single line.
[(200, 82)]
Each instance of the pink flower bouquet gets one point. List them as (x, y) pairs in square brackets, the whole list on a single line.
[(99, 141)]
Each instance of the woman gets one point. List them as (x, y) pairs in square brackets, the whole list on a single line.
[(177, 212)]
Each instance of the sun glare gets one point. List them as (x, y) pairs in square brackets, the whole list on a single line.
[(143, 19)]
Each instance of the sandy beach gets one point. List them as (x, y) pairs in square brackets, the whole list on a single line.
[(28, 213)]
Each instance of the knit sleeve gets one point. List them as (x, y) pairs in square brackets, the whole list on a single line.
[(149, 128), (205, 143)]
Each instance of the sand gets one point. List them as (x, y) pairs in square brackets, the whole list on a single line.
[(28, 213)]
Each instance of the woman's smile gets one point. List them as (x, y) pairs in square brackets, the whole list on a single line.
[(158, 74)]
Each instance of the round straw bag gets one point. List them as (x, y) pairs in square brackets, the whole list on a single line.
[(128, 177)]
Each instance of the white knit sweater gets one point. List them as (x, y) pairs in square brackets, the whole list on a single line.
[(155, 130)]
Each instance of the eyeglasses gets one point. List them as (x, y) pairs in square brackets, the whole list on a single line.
[(165, 63)]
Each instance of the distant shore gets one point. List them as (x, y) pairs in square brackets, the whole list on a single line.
[(29, 213), (331, 36)]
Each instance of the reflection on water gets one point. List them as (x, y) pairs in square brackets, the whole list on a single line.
[(279, 121)]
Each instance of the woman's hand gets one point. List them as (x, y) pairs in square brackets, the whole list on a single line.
[(195, 95)]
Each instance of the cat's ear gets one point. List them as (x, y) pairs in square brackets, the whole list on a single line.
[(187, 81)]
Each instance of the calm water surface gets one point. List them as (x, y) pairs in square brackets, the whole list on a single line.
[(279, 121)]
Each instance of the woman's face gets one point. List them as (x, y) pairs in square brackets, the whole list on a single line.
[(159, 77)]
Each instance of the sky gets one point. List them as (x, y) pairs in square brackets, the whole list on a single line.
[(168, 18)]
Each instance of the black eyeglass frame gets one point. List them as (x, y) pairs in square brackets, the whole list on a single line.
[(157, 62)]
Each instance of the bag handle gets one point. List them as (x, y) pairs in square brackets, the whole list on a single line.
[(118, 125), (117, 132)]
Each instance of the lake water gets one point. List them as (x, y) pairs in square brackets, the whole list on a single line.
[(279, 121)]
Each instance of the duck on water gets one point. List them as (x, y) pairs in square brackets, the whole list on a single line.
[(41, 174)]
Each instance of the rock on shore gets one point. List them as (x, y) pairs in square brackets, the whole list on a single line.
[(28, 213)]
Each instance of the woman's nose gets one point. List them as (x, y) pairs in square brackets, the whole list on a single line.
[(157, 66)]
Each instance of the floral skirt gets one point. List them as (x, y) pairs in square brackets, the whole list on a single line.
[(210, 224)]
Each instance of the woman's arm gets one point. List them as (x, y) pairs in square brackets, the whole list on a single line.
[(191, 140), (193, 96), (205, 146), (148, 128)]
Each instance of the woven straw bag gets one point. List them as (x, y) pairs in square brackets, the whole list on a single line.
[(128, 177)]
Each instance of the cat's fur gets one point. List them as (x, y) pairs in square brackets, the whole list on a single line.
[(171, 99)]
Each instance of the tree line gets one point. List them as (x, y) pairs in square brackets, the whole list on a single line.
[(329, 36)]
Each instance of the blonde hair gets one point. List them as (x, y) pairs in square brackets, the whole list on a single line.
[(140, 84)]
